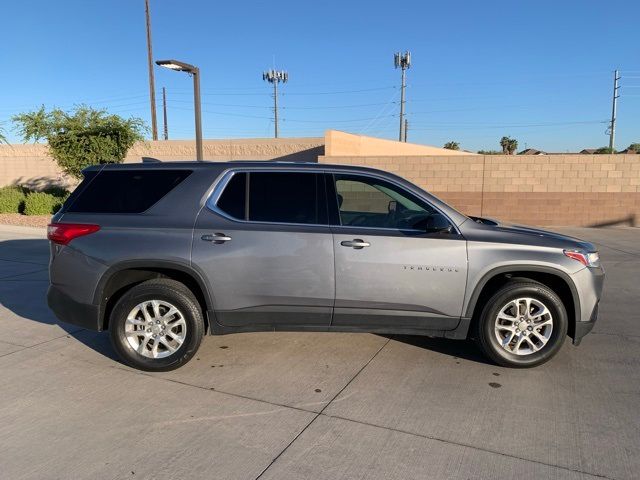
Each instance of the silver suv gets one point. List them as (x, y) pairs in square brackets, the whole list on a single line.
[(161, 253)]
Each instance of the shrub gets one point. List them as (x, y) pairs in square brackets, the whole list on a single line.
[(11, 199), (605, 150), (41, 203), (82, 137), (56, 191)]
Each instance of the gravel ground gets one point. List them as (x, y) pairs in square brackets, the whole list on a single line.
[(24, 220)]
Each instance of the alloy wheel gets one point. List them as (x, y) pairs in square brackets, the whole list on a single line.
[(523, 326), (155, 329)]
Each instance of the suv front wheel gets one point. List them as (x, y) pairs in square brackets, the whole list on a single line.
[(523, 324), (156, 325)]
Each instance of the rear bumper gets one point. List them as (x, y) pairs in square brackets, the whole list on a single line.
[(70, 311)]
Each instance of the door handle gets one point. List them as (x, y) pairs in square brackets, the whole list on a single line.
[(356, 243), (216, 238)]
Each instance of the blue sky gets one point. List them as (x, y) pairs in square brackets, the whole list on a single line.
[(540, 71)]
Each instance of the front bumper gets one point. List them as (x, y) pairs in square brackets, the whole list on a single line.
[(70, 311), (582, 328), (590, 282)]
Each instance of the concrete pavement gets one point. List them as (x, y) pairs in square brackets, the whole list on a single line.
[(315, 405)]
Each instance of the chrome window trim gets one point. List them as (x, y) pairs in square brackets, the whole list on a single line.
[(225, 177)]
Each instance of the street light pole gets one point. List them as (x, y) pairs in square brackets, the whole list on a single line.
[(195, 72), (198, 112)]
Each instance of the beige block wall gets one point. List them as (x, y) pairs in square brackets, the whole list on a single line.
[(536, 190), (583, 190), (31, 164)]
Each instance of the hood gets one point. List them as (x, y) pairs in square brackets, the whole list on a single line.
[(494, 230)]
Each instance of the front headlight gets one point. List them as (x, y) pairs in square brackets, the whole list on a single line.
[(588, 259)]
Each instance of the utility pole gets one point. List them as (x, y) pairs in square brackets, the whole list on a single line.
[(612, 127), (403, 61), (152, 88), (274, 77), (406, 129), (164, 113)]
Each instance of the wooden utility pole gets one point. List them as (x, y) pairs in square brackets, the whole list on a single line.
[(612, 127), (164, 113), (152, 88)]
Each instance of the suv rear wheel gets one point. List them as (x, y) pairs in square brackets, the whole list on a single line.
[(523, 324), (157, 325)]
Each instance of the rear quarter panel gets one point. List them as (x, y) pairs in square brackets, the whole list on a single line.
[(162, 233)]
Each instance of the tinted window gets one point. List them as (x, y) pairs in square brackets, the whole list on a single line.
[(232, 200), (284, 197), (369, 202), (126, 191)]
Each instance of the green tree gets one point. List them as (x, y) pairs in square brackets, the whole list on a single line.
[(635, 147), (489, 152), (509, 145), (3, 139), (605, 150), (452, 145), (82, 137)]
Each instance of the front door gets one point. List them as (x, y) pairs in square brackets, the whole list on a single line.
[(264, 245), (397, 264)]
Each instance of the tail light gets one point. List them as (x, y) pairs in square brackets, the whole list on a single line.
[(63, 233)]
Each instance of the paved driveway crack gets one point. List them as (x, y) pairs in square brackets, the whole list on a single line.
[(275, 459)]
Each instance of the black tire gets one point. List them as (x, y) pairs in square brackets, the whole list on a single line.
[(162, 289), (518, 288)]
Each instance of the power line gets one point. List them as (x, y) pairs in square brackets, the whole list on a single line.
[(340, 92), (441, 126)]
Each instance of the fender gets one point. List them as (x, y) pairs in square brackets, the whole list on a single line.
[(143, 263), (522, 268)]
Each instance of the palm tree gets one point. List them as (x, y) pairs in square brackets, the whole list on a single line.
[(452, 145), (509, 145), (3, 139)]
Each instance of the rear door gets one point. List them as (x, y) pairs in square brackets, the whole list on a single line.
[(396, 265), (264, 244)]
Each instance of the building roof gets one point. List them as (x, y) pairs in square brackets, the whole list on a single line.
[(532, 151)]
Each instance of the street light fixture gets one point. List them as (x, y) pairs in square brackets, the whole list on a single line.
[(195, 72)]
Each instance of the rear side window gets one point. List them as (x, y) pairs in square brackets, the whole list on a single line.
[(232, 201), (277, 197), (126, 191)]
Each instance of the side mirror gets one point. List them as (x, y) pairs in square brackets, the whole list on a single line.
[(438, 223)]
